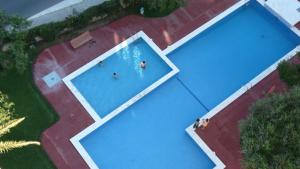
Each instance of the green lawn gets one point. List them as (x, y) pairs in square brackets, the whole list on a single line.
[(39, 116)]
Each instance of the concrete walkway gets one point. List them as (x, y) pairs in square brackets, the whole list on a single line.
[(289, 10)]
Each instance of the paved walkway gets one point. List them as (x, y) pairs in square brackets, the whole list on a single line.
[(64, 60), (298, 25), (287, 10)]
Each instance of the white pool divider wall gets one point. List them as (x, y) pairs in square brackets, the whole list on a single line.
[(99, 120)]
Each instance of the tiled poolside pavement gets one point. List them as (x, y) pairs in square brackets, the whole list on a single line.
[(298, 25), (63, 60)]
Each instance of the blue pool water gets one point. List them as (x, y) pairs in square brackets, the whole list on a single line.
[(225, 57), (151, 133), (104, 93)]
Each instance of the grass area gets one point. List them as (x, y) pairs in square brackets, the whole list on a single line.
[(39, 116)]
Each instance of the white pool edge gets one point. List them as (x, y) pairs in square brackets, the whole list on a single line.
[(98, 120)]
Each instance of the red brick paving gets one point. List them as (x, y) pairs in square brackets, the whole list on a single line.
[(222, 135), (298, 25)]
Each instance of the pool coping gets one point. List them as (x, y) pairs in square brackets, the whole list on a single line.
[(191, 132), (98, 120)]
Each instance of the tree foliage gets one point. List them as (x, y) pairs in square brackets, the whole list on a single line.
[(6, 124), (13, 43), (289, 73), (270, 136), (6, 108), (153, 8), (162, 6), (6, 146)]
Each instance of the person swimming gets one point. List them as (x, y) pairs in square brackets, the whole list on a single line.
[(115, 75), (143, 64)]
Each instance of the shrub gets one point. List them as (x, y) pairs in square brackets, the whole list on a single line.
[(6, 108), (270, 137), (47, 31), (13, 54), (156, 8), (289, 73)]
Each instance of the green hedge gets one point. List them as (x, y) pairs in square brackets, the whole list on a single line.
[(289, 73), (270, 136)]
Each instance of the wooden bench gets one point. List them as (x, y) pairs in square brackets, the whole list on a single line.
[(81, 40)]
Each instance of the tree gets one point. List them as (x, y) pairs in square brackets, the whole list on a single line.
[(270, 136), (153, 7), (161, 7), (6, 109), (6, 124), (13, 45), (289, 73), (6, 146)]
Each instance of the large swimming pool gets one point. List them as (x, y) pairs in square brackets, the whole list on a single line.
[(150, 134)]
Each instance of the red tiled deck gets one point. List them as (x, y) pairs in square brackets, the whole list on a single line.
[(298, 25), (63, 59)]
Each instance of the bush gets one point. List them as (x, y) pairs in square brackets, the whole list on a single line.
[(289, 73), (49, 31), (6, 109), (270, 136), (157, 8), (13, 54)]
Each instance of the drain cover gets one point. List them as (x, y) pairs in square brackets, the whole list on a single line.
[(52, 79)]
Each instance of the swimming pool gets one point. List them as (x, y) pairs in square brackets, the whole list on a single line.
[(115, 80), (213, 65)]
